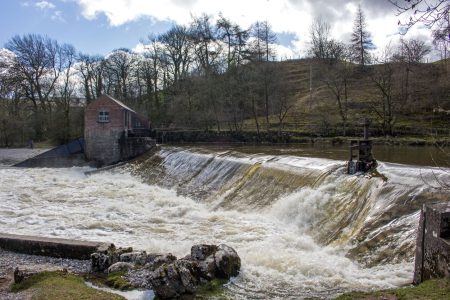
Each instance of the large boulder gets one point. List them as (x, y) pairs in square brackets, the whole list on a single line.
[(167, 281), (183, 276), (228, 262)]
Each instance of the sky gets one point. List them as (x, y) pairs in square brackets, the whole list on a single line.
[(100, 26)]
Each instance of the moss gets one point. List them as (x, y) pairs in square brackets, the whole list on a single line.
[(112, 280), (435, 289), (60, 285), (212, 290)]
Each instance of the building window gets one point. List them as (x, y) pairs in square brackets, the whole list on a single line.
[(103, 116)]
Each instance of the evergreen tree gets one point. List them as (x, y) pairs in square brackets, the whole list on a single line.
[(361, 39)]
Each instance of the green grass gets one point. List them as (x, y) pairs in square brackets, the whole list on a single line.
[(435, 289), (60, 285)]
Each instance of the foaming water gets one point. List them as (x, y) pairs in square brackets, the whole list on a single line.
[(302, 228)]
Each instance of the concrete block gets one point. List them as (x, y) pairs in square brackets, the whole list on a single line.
[(433, 243), (54, 247)]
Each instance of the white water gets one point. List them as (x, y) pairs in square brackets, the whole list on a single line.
[(282, 243)]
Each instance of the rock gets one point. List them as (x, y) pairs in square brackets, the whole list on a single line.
[(138, 257), (207, 268), (23, 274), (227, 261), (168, 277), (166, 282), (100, 262), (155, 261), (107, 256), (183, 276), (189, 275), (200, 252), (120, 266)]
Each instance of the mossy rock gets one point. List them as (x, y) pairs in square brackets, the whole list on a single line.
[(60, 285)]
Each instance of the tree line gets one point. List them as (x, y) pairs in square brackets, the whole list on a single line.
[(208, 75)]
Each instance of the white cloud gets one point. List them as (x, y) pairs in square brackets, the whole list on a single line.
[(58, 16), (44, 5), (287, 16)]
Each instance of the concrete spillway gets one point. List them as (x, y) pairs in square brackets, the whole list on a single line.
[(64, 156)]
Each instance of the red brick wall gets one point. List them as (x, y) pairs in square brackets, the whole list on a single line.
[(116, 114), (102, 138)]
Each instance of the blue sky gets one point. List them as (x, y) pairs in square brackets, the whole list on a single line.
[(65, 23), (100, 26)]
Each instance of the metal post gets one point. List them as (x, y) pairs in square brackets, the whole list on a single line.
[(366, 129)]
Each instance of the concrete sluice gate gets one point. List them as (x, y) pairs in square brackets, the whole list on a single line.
[(302, 227)]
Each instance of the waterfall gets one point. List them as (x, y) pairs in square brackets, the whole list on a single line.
[(373, 217)]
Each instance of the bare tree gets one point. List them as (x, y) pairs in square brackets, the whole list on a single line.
[(154, 62), (410, 53), (37, 66), (384, 106), (177, 48), (90, 68), (235, 39), (206, 48), (322, 46), (337, 79), (431, 13), (64, 92), (284, 99), (120, 65)]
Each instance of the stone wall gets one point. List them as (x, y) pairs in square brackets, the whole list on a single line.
[(433, 243), (103, 145), (135, 146)]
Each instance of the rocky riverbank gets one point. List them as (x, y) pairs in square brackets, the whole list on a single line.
[(168, 276)]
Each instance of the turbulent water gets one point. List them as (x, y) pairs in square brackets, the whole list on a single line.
[(302, 227)]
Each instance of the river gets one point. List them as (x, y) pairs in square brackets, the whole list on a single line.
[(302, 227)]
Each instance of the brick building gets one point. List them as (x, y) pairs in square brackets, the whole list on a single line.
[(114, 132)]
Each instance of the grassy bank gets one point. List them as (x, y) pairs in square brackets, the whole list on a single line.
[(60, 285), (436, 289)]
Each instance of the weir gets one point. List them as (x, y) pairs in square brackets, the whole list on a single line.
[(302, 227), (375, 218)]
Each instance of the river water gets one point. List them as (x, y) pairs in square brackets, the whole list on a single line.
[(302, 227)]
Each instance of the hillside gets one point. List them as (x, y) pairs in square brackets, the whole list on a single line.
[(422, 107)]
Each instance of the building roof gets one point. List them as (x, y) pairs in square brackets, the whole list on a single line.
[(119, 103)]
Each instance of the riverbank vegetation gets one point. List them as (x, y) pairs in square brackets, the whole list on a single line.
[(435, 289), (215, 76), (60, 285)]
